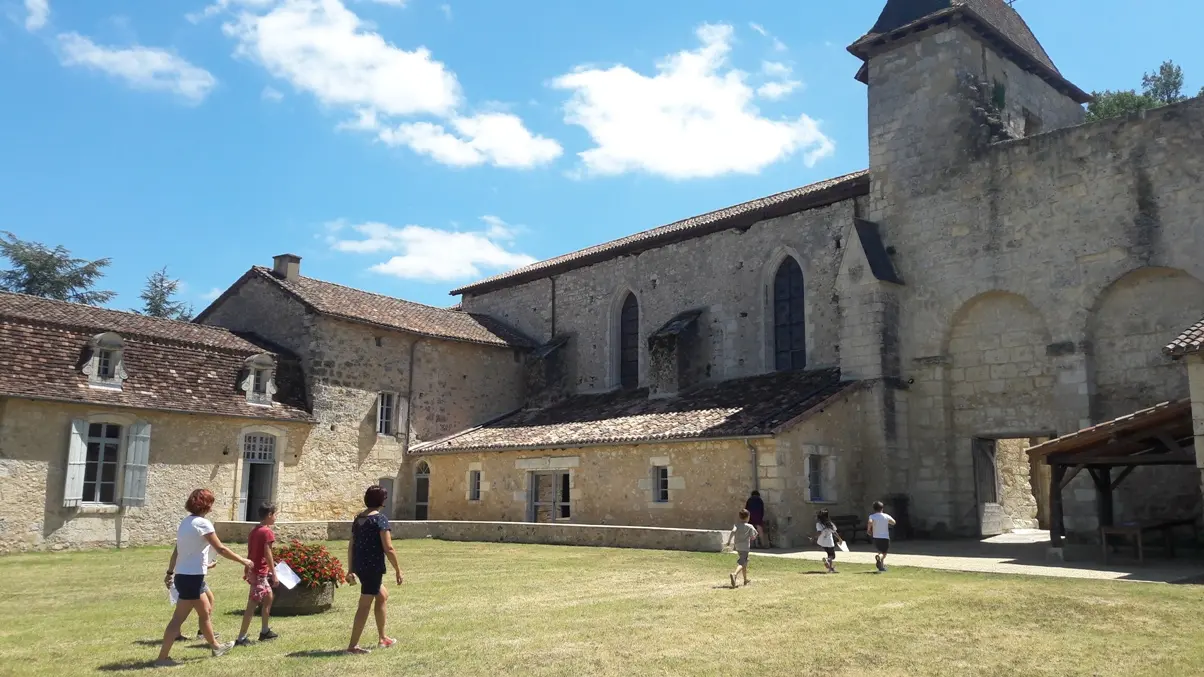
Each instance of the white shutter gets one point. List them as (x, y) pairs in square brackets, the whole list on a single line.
[(807, 478), (77, 461), (137, 457), (379, 397), (401, 417), (830, 477)]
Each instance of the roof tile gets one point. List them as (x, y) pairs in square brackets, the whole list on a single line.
[(757, 405), (1190, 341)]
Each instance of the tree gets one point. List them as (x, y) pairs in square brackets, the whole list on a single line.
[(1160, 88), (157, 298), (1165, 86), (51, 273)]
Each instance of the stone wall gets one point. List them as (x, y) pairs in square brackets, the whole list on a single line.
[(1016, 483), (729, 273), (1195, 368), (593, 535), (186, 452), (1096, 225)]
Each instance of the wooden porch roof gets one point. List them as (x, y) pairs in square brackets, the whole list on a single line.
[(1159, 435)]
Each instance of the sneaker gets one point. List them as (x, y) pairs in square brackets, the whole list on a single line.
[(746, 581), (732, 578), (358, 651), (182, 638), (387, 642), (243, 641), (201, 635), (222, 649), (266, 635)]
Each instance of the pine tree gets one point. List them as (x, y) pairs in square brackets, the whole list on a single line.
[(51, 273), (157, 298)]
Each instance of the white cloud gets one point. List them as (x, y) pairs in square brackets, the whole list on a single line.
[(394, 3), (147, 68), (447, 11), (694, 118), (37, 14), (421, 253), (212, 294), (271, 94), (323, 48), (499, 139), (781, 83), (778, 45)]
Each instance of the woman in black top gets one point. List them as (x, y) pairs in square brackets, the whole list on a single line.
[(370, 544)]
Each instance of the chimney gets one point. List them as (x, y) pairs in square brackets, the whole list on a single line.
[(286, 266)]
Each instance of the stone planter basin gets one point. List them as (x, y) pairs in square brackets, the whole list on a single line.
[(302, 600)]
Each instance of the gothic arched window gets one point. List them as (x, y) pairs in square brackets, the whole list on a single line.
[(629, 343), (789, 333)]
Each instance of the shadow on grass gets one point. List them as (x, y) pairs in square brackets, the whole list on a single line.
[(317, 653), (129, 666)]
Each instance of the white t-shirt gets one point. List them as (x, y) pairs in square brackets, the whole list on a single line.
[(192, 550), (826, 539), (881, 522)]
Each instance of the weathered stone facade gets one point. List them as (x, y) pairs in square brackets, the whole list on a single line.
[(187, 452)]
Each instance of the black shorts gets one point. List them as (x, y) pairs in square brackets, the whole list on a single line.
[(831, 552), (370, 582), (883, 545), (189, 586)]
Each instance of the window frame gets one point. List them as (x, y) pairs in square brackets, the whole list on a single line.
[(784, 296), (259, 381), (107, 349), (118, 464), (386, 415), (474, 486), (660, 484), (816, 467), (627, 349)]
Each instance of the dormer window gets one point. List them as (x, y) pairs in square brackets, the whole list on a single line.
[(105, 367), (259, 380)]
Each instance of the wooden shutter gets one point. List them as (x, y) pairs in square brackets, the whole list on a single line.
[(77, 460), (137, 457)]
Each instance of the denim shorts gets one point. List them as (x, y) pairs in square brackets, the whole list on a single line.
[(370, 582)]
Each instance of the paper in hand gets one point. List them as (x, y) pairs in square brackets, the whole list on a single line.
[(173, 595), (287, 577), (844, 547)]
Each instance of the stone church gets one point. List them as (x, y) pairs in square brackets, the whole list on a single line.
[(1001, 274)]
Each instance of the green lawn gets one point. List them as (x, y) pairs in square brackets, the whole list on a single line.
[(495, 609)]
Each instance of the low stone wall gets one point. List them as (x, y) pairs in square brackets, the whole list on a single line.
[(652, 538)]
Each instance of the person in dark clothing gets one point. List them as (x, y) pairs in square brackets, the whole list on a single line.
[(371, 542), (756, 517)]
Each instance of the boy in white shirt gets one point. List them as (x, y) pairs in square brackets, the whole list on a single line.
[(878, 527)]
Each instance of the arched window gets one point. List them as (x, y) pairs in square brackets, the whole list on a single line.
[(422, 491), (629, 343), (789, 333)]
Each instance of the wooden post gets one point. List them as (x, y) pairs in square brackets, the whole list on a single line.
[(1058, 472), (1105, 497)]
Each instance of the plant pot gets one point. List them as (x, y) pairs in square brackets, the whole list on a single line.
[(303, 600)]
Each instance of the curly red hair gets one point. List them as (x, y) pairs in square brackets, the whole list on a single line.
[(199, 502)]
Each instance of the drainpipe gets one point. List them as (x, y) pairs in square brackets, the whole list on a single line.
[(410, 399), (752, 452)]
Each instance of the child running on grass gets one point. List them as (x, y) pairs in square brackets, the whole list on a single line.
[(827, 537), (878, 527), (261, 576), (741, 538)]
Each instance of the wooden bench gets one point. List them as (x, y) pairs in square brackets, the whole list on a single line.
[(850, 527), (1137, 531)]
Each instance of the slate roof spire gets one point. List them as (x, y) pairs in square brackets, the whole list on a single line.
[(994, 20)]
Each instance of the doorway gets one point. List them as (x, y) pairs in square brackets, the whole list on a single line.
[(549, 497), (991, 519), (1011, 491), (422, 491), (258, 474)]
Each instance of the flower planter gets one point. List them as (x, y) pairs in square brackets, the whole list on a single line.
[(303, 600)]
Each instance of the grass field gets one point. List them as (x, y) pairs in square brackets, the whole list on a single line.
[(495, 609)]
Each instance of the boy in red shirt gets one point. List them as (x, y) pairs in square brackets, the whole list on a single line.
[(261, 576)]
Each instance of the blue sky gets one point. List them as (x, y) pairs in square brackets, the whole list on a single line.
[(410, 146)]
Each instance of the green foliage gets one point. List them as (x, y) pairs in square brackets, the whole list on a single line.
[(51, 273), (157, 298), (1160, 88)]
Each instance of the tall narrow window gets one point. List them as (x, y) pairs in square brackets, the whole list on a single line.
[(789, 333), (385, 413), (562, 498), (100, 473), (629, 343), (815, 477), (474, 485), (104, 363), (260, 385), (660, 484)]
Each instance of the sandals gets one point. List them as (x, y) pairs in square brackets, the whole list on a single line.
[(387, 642)]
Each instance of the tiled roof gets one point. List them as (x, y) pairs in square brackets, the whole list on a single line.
[(1190, 341), (744, 214), (171, 365), (355, 305), (1107, 433), (996, 17), (758, 405)]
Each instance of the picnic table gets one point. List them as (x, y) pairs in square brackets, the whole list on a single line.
[(1136, 531)]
